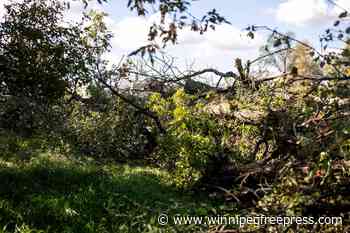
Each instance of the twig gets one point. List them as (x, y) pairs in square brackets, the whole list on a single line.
[(141, 109)]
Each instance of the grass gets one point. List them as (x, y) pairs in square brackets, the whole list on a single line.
[(50, 193)]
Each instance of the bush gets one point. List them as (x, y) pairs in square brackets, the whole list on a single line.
[(114, 132), (193, 139)]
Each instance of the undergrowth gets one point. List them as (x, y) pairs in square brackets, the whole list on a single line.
[(50, 193)]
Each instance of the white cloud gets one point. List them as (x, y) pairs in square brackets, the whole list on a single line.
[(2, 8), (130, 33), (217, 47), (303, 12), (75, 12), (309, 12), (340, 5), (227, 37), (187, 36)]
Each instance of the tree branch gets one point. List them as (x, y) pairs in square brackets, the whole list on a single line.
[(141, 109)]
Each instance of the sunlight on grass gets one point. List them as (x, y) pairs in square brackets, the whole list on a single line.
[(51, 193)]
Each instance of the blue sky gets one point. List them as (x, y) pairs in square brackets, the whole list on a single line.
[(306, 18), (248, 12)]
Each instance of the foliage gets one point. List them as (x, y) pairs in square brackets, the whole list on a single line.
[(42, 60), (27, 117), (190, 139), (272, 145), (29, 48), (296, 130), (106, 130)]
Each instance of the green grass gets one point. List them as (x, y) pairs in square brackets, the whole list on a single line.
[(49, 193)]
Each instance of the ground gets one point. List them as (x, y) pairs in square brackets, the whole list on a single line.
[(50, 193)]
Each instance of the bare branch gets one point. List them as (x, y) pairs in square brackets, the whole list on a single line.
[(141, 109)]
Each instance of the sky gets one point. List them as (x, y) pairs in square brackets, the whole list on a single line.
[(307, 19)]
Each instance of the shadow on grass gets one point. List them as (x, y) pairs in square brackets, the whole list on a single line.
[(56, 197)]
